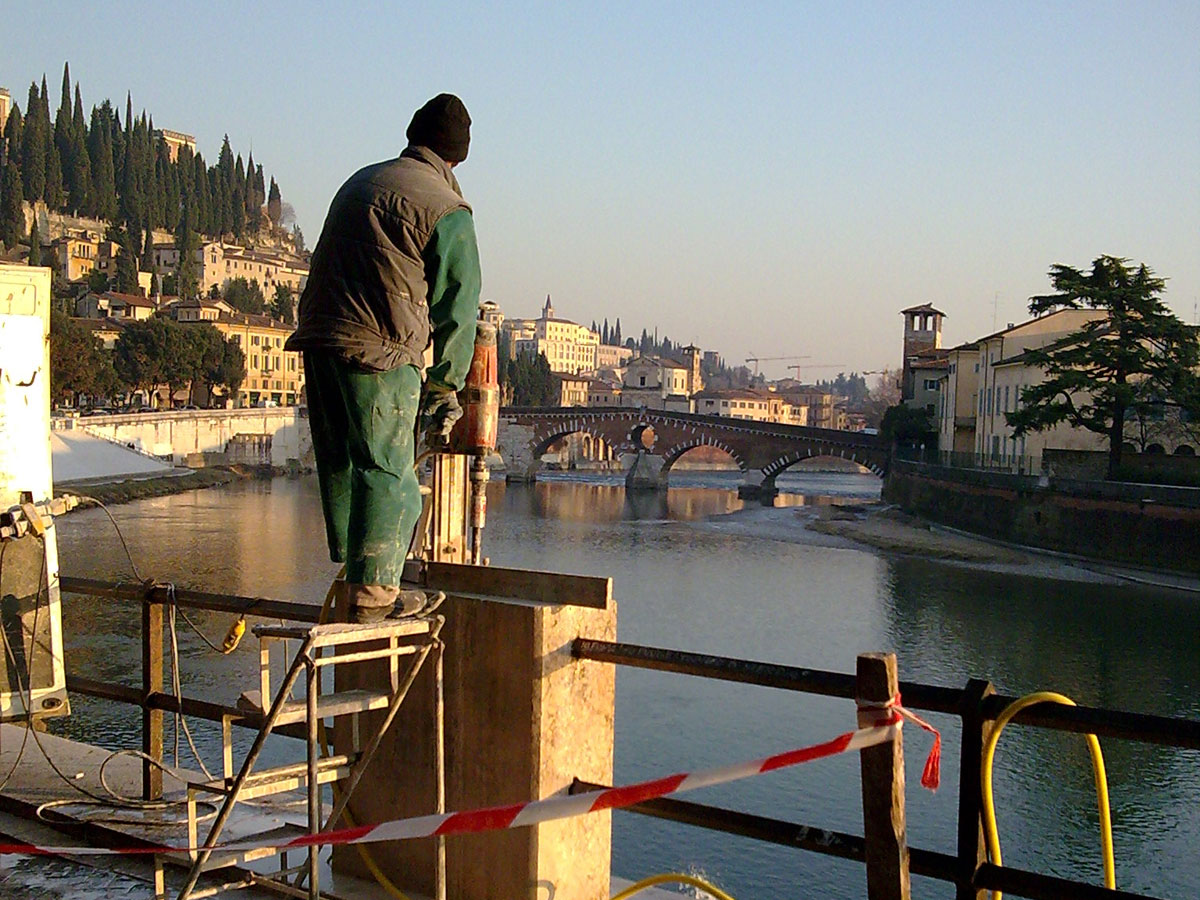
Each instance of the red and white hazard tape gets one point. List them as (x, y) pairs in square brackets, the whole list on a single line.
[(886, 726)]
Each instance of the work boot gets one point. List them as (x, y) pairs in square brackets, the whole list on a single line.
[(411, 603), (371, 602)]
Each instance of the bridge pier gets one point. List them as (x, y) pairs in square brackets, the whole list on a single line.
[(646, 473), (758, 486), (513, 444)]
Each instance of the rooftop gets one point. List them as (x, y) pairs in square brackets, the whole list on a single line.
[(128, 299), (923, 308)]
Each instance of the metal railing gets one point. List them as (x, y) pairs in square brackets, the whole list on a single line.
[(976, 705), (1027, 464)]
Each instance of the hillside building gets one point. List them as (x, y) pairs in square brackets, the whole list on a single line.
[(219, 262), (111, 305), (77, 254), (272, 373), (609, 356), (755, 405), (175, 141), (570, 348)]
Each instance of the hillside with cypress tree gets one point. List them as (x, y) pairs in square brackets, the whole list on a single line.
[(120, 169)]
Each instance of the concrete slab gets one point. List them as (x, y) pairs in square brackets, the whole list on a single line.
[(79, 456)]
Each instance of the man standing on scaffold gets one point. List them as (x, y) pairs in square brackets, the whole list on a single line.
[(395, 269)]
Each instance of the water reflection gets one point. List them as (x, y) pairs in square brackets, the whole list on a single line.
[(578, 501)]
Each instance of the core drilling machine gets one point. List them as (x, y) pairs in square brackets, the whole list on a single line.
[(475, 433)]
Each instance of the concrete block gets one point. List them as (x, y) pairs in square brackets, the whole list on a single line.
[(523, 719)]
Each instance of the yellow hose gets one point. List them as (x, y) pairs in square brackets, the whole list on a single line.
[(989, 810), (672, 878)]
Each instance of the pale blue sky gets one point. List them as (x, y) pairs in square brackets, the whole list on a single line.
[(775, 178)]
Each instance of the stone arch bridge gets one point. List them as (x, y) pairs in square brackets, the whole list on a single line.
[(657, 439)]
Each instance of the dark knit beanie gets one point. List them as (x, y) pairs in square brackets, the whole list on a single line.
[(443, 126)]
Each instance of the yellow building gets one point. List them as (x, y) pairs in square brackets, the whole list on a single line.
[(175, 141), (609, 356), (572, 391), (1002, 377), (111, 305), (273, 375), (106, 331), (601, 393), (758, 406), (77, 253), (818, 402), (218, 262), (568, 347), (959, 399)]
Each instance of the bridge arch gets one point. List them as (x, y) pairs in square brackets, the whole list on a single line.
[(671, 455), (544, 440), (781, 464)]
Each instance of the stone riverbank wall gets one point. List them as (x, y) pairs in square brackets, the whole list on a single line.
[(199, 437), (1144, 525)]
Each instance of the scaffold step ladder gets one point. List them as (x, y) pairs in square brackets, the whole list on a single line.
[(405, 644)]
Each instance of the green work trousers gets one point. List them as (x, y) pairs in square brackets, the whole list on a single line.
[(363, 431)]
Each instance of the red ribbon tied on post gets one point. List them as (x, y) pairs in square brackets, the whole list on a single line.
[(931, 775)]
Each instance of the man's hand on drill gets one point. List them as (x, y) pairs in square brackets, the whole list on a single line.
[(439, 411)]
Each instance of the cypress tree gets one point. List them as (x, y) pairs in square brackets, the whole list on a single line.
[(224, 203), (63, 128), (81, 191), (148, 174), (237, 199), (127, 282), (188, 245), (79, 123), (170, 193), (33, 149), (130, 205), (146, 264), (201, 198), (103, 203), (225, 161), (274, 204), (13, 135), (54, 196), (116, 138), (35, 245), (616, 337), (12, 211), (250, 195), (44, 97)]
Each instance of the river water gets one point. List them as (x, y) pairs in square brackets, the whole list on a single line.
[(694, 570)]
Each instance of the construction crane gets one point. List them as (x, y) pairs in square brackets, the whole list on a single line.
[(757, 359), (816, 366)]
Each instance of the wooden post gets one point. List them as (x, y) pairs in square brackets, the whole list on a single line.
[(448, 512), (152, 683), (882, 786), (975, 728)]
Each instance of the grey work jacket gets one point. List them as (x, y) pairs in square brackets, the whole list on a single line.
[(366, 296)]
